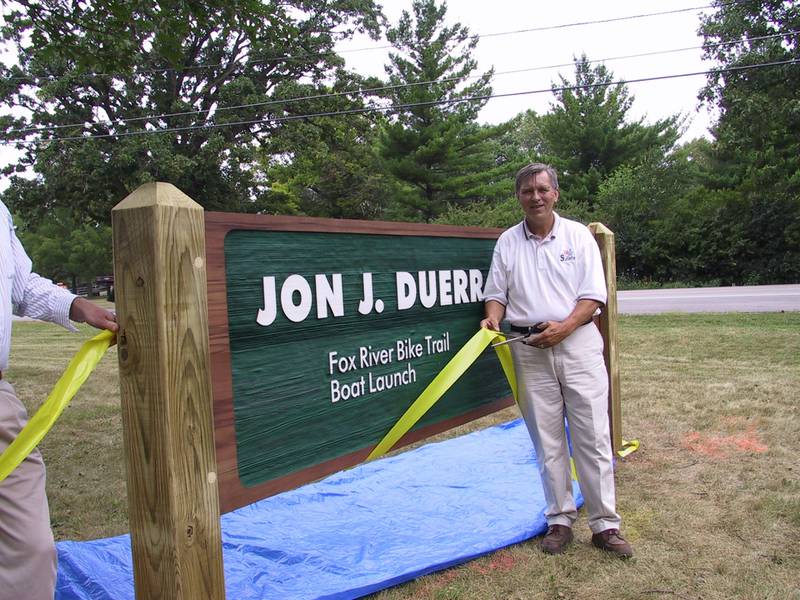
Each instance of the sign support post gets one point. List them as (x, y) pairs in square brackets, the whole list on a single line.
[(608, 329), (165, 388)]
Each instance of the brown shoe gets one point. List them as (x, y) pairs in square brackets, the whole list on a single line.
[(611, 541), (557, 538)]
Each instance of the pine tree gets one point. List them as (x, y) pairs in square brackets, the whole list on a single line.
[(434, 144), (587, 134)]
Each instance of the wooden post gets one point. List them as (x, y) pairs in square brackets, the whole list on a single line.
[(608, 328), (165, 387)]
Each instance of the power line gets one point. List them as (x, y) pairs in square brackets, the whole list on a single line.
[(398, 107), (362, 91), (603, 21), (306, 55)]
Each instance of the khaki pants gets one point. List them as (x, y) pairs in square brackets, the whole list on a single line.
[(27, 550), (570, 379)]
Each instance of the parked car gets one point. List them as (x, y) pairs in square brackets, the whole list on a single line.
[(105, 283)]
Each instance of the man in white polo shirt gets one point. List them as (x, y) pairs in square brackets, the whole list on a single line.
[(547, 280)]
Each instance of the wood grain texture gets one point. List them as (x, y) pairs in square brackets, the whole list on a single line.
[(233, 493), (608, 329), (160, 275)]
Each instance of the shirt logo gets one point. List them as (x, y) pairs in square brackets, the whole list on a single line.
[(568, 255)]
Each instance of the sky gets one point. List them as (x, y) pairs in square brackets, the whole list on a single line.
[(526, 52), (533, 50)]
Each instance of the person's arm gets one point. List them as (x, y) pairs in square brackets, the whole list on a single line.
[(494, 314), (84, 311), (39, 298), (495, 291), (35, 296), (557, 331)]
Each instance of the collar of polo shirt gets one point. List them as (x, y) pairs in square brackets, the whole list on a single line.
[(550, 236)]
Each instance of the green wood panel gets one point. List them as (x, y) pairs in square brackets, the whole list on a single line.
[(288, 414)]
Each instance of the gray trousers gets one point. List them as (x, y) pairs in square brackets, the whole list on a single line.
[(570, 379), (27, 550)]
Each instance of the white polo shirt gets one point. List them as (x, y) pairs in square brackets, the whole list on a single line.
[(543, 279)]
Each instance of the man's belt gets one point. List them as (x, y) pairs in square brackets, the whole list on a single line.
[(534, 329)]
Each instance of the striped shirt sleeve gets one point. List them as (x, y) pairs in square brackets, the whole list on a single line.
[(35, 296)]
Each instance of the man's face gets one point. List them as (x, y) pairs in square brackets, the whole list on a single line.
[(537, 196)]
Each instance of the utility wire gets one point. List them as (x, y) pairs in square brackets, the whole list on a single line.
[(398, 107), (307, 55), (363, 91), (603, 21)]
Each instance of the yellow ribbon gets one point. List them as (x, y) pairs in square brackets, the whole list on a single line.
[(463, 359), (78, 370), (628, 447), (86, 359)]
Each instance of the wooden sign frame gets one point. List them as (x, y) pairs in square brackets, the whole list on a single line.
[(217, 225)]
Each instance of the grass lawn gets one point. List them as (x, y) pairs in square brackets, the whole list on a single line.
[(711, 501)]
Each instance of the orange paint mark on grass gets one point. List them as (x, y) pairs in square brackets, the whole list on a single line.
[(439, 581), (751, 445), (502, 562), (720, 446)]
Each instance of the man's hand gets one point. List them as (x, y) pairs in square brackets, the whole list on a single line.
[(83, 311), (494, 314), (554, 333), (490, 323)]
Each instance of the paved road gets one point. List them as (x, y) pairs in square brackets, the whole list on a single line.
[(762, 298)]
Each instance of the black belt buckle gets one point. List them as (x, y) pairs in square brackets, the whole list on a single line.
[(530, 329)]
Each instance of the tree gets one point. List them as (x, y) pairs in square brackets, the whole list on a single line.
[(758, 146), (673, 224), (148, 90), (64, 248), (523, 141), (587, 135), (328, 166), (434, 144), (758, 108)]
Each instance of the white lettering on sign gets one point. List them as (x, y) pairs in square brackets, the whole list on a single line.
[(345, 391), (296, 297), (406, 290), (296, 285), (266, 315), (346, 384), (370, 358), (427, 288), (448, 287), (460, 283), (387, 381), (437, 345), (329, 296), (342, 364), (365, 305), (407, 350)]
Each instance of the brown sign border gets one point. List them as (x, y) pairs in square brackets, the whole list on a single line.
[(217, 225)]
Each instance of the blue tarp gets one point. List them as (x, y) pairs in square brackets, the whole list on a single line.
[(357, 531)]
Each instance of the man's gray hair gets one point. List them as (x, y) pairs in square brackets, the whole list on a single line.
[(534, 169)]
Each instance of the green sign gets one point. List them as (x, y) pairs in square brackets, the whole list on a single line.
[(334, 335)]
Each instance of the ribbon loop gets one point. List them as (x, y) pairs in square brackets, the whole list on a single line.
[(463, 359), (78, 370)]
